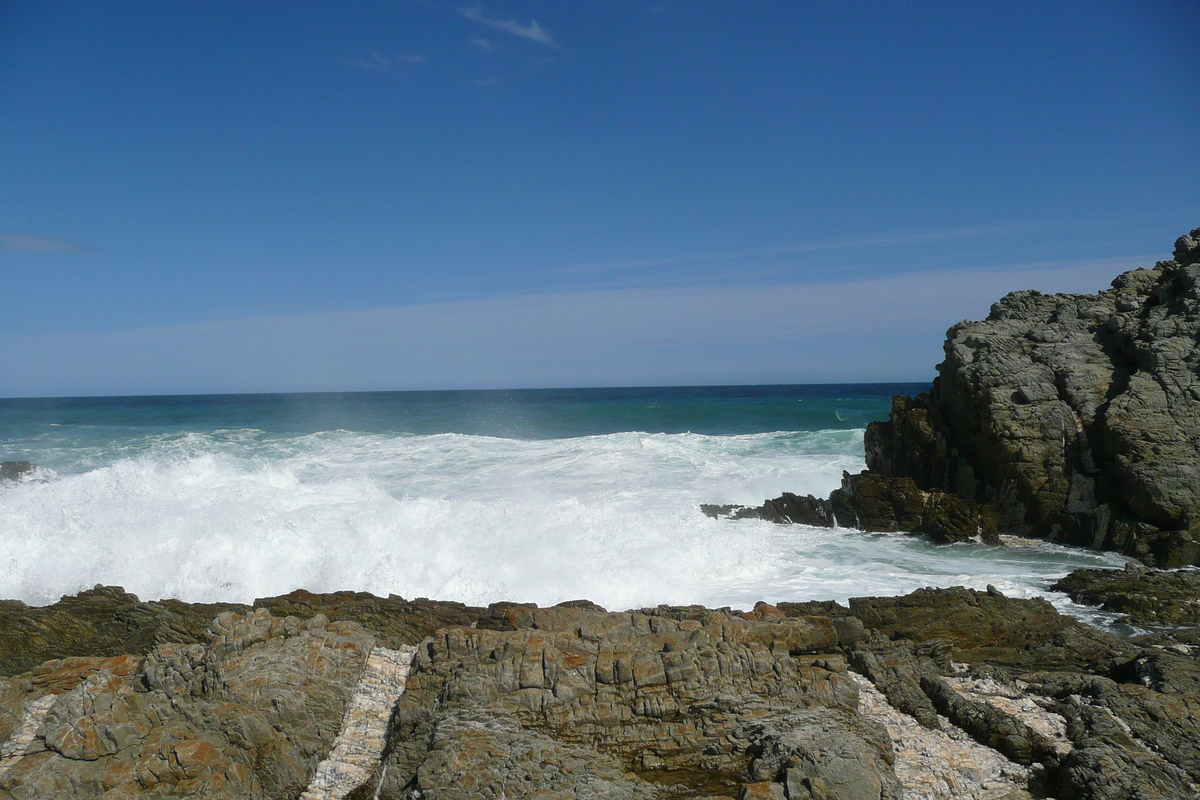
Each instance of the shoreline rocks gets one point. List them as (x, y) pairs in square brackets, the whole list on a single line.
[(1075, 417), (1072, 417), (795, 700)]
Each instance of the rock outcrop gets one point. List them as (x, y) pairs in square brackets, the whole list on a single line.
[(247, 714), (1074, 417), (872, 502), (1145, 597), (945, 693), (1069, 416), (15, 470)]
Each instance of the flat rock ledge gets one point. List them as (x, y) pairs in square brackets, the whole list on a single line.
[(946, 693)]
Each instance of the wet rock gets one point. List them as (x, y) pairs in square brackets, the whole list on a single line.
[(873, 502), (1144, 596), (788, 508), (14, 470)]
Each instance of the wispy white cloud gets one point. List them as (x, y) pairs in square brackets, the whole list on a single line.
[(533, 31), (14, 242), (875, 329), (482, 44), (374, 62), (377, 62)]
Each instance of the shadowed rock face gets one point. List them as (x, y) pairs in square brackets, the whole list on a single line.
[(1075, 417)]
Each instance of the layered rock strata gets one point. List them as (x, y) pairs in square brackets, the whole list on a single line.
[(938, 694)]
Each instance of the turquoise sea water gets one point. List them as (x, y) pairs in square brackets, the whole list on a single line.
[(533, 495)]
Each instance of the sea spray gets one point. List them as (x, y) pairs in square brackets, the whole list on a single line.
[(233, 514)]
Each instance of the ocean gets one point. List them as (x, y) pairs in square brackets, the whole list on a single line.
[(476, 496)]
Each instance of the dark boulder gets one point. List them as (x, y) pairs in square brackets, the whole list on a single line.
[(786, 509), (873, 502), (14, 470)]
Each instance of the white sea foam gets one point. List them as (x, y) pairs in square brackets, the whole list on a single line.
[(234, 515)]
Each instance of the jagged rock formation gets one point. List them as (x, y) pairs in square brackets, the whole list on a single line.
[(1075, 417), (1070, 416), (936, 695), (872, 502)]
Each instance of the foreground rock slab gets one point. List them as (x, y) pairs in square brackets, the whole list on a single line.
[(938, 695)]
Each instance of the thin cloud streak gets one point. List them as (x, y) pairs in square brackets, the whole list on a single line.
[(13, 242), (899, 240), (533, 31), (377, 62), (785, 333)]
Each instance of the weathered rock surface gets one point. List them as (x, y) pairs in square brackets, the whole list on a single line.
[(247, 715), (104, 621), (1072, 417), (673, 699), (872, 502), (939, 694), (108, 621), (1075, 417), (1144, 596)]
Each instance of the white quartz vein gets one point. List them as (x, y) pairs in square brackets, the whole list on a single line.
[(359, 744)]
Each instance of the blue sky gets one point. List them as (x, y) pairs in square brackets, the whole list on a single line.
[(226, 197)]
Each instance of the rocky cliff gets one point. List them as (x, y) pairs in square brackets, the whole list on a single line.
[(1074, 417), (939, 694)]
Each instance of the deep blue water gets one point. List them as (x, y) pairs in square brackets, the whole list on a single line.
[(31, 428)]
